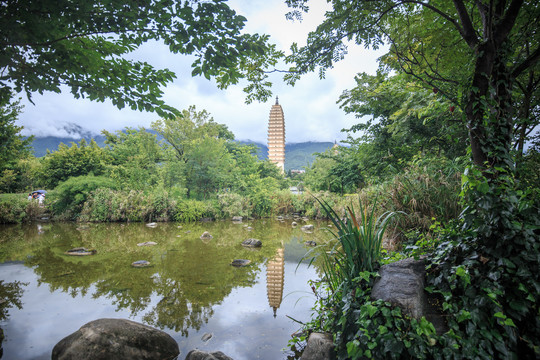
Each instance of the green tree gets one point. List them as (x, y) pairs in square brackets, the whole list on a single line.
[(406, 119), (14, 145), (208, 166), (471, 53), (75, 160), (136, 159), (85, 45)]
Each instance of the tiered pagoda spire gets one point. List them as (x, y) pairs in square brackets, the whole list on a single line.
[(276, 136)]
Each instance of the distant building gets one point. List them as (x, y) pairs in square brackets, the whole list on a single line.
[(276, 136)]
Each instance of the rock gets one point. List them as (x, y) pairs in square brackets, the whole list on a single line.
[(206, 337), (147, 243), (249, 228), (237, 219), (307, 228), (294, 224), (151, 225), (140, 263), (202, 355), (117, 339), (320, 346), (206, 236), (310, 243), (402, 284), (240, 262), (279, 218), (252, 243), (80, 251)]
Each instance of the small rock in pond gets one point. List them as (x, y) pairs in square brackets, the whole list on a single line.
[(294, 224), (140, 263), (237, 219), (207, 336), (206, 235), (147, 243), (310, 243), (80, 251), (252, 243), (307, 228), (249, 228), (187, 232), (153, 224), (279, 218), (240, 262)]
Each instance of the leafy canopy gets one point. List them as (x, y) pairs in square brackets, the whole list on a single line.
[(85, 45)]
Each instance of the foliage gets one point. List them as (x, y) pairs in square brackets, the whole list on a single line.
[(193, 210), (232, 204), (106, 204), (49, 43), (14, 145), (76, 160), (69, 197), (16, 208), (359, 243), (135, 159)]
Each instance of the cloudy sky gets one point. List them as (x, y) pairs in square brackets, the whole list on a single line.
[(311, 112)]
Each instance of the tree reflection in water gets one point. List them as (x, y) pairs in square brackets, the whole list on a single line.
[(187, 277)]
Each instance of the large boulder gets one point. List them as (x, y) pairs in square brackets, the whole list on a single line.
[(320, 346), (202, 355), (118, 339), (402, 284)]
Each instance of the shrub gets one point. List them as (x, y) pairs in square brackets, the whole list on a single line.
[(68, 198), (193, 210), (16, 208), (231, 204)]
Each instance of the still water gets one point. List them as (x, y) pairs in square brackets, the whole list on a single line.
[(189, 291)]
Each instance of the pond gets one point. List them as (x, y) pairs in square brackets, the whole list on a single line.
[(190, 290)]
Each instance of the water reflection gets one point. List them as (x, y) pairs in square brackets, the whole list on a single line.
[(189, 280), (275, 272)]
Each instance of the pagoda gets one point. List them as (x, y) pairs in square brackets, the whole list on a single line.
[(276, 136)]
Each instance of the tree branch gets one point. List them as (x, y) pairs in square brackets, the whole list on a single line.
[(468, 33), (503, 28), (528, 62)]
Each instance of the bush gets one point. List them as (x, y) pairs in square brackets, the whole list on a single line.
[(231, 204), (193, 210), (16, 208), (68, 198)]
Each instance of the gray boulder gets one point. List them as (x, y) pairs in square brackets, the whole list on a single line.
[(307, 228), (118, 339), (252, 243), (237, 219), (202, 355), (402, 284), (319, 347)]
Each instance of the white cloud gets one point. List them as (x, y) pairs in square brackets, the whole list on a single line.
[(311, 112)]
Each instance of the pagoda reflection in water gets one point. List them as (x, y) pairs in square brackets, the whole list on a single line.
[(275, 277)]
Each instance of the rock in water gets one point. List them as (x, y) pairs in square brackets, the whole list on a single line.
[(310, 243), (320, 346), (240, 262), (307, 228), (206, 337), (117, 339), (140, 263), (152, 225), (147, 243), (251, 243), (206, 236), (203, 355), (80, 251), (237, 219)]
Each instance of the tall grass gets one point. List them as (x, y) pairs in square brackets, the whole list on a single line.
[(359, 242)]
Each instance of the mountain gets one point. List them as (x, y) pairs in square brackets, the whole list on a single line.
[(297, 155)]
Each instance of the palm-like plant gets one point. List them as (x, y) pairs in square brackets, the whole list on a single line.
[(359, 243)]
